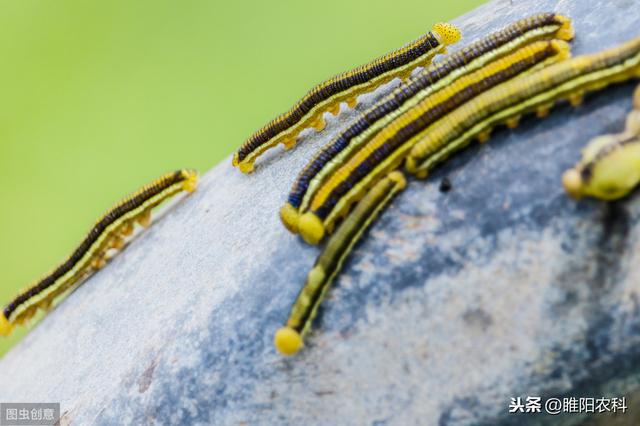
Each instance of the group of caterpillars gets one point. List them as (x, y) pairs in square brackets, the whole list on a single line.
[(524, 68), (436, 111)]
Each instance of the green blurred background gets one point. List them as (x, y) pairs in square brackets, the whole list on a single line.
[(98, 98)]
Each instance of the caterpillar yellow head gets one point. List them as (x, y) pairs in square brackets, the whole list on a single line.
[(191, 180), (566, 31), (290, 217), (287, 341), (572, 182), (5, 326), (447, 33), (311, 228), (245, 166)]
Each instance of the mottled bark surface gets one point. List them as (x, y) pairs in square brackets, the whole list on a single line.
[(454, 303)]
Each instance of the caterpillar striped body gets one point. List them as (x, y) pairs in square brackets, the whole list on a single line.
[(388, 149), (108, 233), (289, 339), (536, 92), (439, 75), (345, 87)]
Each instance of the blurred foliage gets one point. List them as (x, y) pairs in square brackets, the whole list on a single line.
[(98, 98)]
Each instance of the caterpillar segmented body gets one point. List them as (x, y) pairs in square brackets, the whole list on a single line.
[(610, 164), (345, 87), (289, 339), (388, 149), (108, 233), (537, 92), (544, 26)]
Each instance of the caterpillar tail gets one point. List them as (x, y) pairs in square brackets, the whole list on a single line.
[(6, 327)]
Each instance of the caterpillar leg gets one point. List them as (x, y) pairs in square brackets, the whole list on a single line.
[(144, 219), (289, 339), (484, 136), (544, 110), (26, 315), (334, 109), (117, 242), (513, 122), (576, 99), (422, 174), (126, 229), (99, 261), (46, 304), (289, 142), (319, 124)]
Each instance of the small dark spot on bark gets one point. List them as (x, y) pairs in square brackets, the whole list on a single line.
[(445, 185), (477, 318)]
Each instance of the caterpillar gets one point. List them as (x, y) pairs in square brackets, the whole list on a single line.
[(610, 164), (433, 78), (345, 87), (536, 92), (108, 233), (289, 339), (387, 149)]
